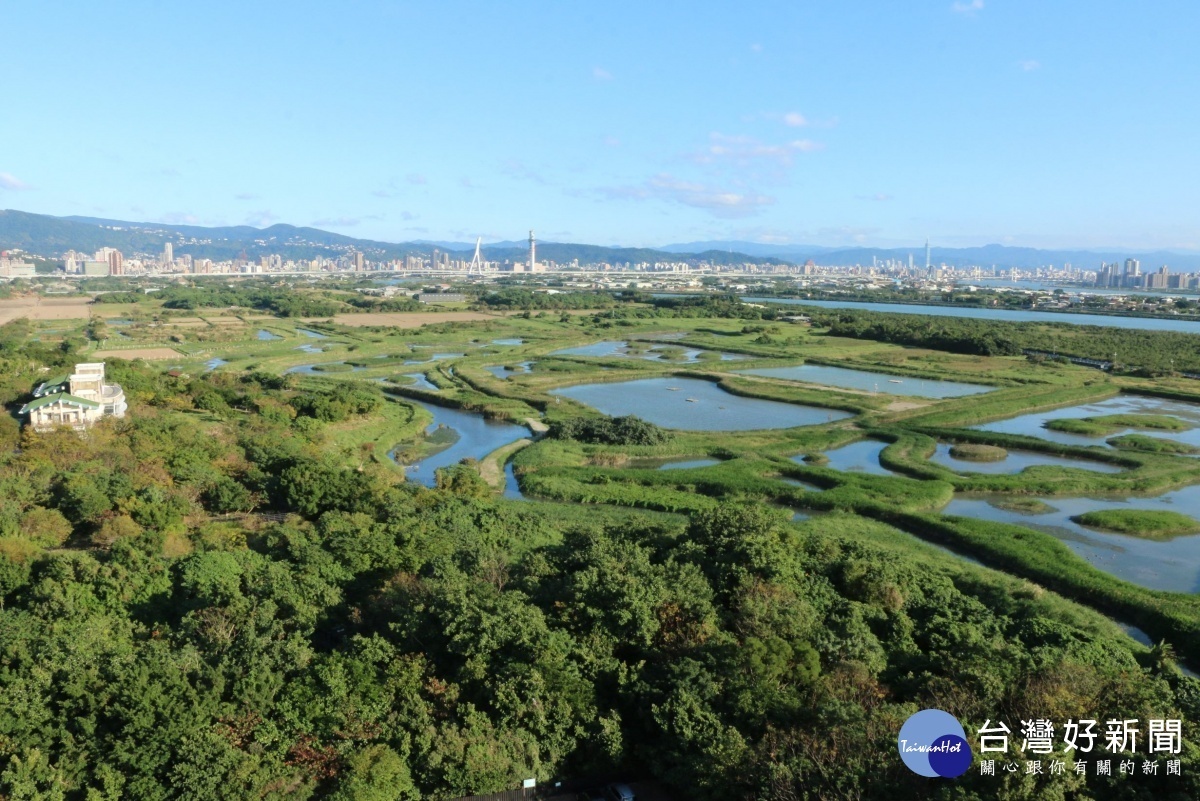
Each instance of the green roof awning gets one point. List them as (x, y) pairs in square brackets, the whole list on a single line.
[(58, 397)]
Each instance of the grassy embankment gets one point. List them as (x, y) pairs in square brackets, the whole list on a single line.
[(1141, 442), (1151, 524), (1108, 424)]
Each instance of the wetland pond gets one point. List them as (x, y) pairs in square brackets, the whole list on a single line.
[(500, 371), (1172, 565), (857, 457), (1033, 425), (476, 438), (870, 381), (695, 405), (1015, 462), (651, 353), (313, 369)]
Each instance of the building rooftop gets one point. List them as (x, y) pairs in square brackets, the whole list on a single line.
[(58, 397)]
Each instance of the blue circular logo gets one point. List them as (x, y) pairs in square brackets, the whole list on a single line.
[(933, 743)]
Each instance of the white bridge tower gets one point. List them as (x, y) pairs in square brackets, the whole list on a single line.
[(476, 265)]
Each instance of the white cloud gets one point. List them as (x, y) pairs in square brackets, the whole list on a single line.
[(967, 8), (794, 119), (611, 141), (601, 74), (744, 150), (12, 182), (717, 201), (756, 48), (1029, 65), (878, 197), (246, 196), (416, 178)]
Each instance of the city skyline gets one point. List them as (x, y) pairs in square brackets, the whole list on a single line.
[(968, 123)]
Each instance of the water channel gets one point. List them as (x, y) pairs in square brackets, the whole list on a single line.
[(477, 438), (652, 353), (1033, 424), (1172, 565)]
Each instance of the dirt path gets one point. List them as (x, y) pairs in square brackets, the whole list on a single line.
[(491, 467), (404, 319), (137, 353), (39, 308)]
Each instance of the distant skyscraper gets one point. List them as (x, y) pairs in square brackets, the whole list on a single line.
[(358, 262), (168, 253), (116, 263), (532, 253), (928, 260)]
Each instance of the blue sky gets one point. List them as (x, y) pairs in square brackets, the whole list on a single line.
[(1045, 124)]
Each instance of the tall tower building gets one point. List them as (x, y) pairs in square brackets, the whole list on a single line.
[(358, 262), (116, 263), (532, 253), (928, 260), (168, 253)]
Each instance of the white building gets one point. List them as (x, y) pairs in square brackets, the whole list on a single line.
[(77, 400)]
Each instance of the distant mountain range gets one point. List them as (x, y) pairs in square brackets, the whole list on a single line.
[(50, 236)]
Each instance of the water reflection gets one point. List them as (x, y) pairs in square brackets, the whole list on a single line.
[(1172, 565), (1015, 462), (1032, 424), (477, 438), (870, 382), (692, 404)]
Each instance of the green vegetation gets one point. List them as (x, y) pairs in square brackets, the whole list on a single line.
[(628, 430), (1148, 523), (1141, 442), (976, 452), (1107, 424), (233, 593), (1140, 351)]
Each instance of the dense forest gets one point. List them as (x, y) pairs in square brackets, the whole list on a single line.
[(280, 300), (206, 600)]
